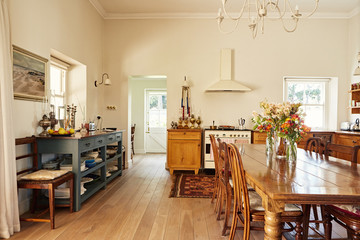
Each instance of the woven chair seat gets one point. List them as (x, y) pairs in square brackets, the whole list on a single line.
[(256, 203)]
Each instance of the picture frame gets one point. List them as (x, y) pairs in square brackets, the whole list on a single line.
[(29, 75)]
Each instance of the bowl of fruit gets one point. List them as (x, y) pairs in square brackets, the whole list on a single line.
[(61, 132)]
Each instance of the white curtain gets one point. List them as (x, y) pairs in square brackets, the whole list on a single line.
[(9, 212)]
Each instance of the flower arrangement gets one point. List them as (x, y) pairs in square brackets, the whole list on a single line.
[(285, 120)]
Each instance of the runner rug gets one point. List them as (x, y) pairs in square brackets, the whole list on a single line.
[(192, 186)]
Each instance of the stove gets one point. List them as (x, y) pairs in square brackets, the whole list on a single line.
[(235, 136)]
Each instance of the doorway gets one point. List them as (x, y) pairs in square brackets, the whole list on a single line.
[(155, 120), (138, 86)]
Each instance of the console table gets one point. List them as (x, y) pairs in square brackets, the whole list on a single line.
[(78, 144)]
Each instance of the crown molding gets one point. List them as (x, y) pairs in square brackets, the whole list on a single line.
[(133, 16), (98, 8)]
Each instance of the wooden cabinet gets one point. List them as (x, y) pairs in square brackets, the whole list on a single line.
[(348, 139), (355, 97), (260, 137), (184, 149)]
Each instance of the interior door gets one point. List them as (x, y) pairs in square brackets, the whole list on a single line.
[(155, 131)]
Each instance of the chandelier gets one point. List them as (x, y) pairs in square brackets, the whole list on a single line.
[(257, 10)]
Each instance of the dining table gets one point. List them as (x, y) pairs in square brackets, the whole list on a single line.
[(310, 179)]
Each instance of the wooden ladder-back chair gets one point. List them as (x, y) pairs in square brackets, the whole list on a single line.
[(313, 144), (347, 216), (132, 140), (336, 148), (248, 204), (36, 185), (215, 151), (225, 191)]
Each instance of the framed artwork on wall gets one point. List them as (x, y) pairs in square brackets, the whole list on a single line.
[(29, 75)]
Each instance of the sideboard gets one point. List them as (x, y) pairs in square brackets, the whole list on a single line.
[(76, 146)]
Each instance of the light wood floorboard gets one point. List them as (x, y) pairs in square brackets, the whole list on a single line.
[(136, 206)]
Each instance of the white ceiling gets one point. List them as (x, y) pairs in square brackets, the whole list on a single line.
[(127, 9)]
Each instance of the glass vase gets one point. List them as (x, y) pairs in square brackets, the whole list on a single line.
[(280, 146), (269, 144), (291, 150)]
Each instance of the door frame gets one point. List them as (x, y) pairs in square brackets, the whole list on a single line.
[(146, 90)]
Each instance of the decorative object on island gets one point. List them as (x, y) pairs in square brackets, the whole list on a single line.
[(53, 120), (70, 116), (29, 75), (44, 123), (257, 11), (357, 70), (198, 122), (107, 80), (284, 121)]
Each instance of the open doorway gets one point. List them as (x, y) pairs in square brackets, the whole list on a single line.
[(155, 120), (138, 86)]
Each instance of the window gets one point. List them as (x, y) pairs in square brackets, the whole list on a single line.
[(313, 94), (157, 109), (58, 72)]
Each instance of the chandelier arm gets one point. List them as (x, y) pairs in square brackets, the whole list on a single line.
[(297, 15), (228, 32), (240, 13), (296, 20)]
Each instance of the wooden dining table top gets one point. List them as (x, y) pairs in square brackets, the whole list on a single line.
[(307, 180)]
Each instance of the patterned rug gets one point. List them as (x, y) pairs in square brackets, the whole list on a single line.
[(192, 186)]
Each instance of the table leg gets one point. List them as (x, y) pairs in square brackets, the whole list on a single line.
[(272, 225)]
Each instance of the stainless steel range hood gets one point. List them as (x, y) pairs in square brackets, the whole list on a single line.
[(226, 83)]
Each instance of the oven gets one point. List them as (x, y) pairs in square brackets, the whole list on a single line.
[(235, 136)]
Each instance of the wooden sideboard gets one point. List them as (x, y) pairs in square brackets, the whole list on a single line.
[(78, 145), (184, 149)]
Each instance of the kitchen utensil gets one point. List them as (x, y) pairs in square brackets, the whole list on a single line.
[(356, 126), (213, 126), (242, 123), (345, 126)]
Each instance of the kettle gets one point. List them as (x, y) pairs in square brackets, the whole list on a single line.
[(355, 126)]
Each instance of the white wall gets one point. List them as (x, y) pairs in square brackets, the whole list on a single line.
[(137, 91), (73, 28), (354, 49), (192, 47)]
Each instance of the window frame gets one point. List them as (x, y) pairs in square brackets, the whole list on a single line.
[(64, 68), (326, 105)]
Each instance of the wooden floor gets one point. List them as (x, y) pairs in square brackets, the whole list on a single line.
[(135, 206)]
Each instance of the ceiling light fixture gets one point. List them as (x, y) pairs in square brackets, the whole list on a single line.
[(357, 70), (106, 81), (257, 10)]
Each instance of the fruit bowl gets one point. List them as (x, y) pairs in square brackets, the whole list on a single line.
[(57, 134)]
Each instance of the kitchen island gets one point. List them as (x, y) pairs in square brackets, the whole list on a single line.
[(77, 145)]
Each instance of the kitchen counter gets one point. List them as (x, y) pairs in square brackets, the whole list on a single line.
[(357, 133)]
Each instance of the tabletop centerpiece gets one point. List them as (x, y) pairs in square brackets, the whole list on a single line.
[(284, 125)]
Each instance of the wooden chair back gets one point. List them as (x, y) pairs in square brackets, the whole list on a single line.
[(313, 144), (353, 151), (32, 153), (241, 195), (223, 163), (215, 150)]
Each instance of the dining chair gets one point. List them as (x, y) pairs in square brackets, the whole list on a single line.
[(248, 204), (324, 138), (347, 216), (215, 151), (225, 185), (336, 148), (132, 140), (36, 185), (313, 144)]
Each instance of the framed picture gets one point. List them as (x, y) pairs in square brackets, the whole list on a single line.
[(29, 75)]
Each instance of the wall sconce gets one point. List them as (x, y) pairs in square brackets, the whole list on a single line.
[(106, 81), (357, 70)]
